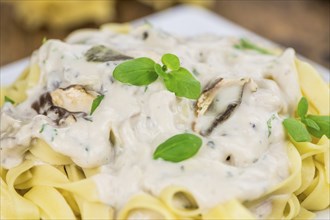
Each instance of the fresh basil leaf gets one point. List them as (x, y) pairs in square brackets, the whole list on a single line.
[(297, 130), (171, 61), (7, 99), (160, 71), (183, 84), (136, 72), (245, 44), (178, 148), (96, 103), (302, 107), (323, 121), (310, 123), (101, 53)]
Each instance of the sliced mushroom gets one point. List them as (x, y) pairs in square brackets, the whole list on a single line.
[(65, 105), (207, 96), (101, 53), (217, 102), (74, 98)]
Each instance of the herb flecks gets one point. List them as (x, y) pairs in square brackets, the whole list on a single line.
[(42, 128), (143, 71), (302, 128), (96, 103), (178, 148), (269, 124), (102, 53)]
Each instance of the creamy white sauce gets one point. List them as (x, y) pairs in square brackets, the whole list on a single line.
[(143, 117)]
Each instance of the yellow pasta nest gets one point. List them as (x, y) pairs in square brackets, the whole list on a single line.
[(59, 189)]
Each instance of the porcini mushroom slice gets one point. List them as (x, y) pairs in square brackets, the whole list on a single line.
[(101, 53), (65, 105), (58, 115), (74, 98), (207, 96), (217, 102)]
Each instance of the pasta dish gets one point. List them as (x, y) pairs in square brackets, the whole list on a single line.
[(133, 123)]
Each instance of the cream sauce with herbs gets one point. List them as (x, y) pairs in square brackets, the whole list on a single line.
[(242, 158)]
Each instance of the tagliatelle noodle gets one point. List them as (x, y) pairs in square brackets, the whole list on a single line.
[(145, 203), (49, 185)]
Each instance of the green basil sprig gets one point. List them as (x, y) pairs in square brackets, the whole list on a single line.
[(301, 129), (178, 148), (143, 71)]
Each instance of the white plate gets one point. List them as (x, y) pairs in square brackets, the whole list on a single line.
[(182, 21)]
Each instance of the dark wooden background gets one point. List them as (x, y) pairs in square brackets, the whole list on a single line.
[(301, 24)]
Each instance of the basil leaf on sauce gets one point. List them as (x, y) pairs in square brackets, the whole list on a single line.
[(101, 53), (138, 72), (96, 103), (7, 99), (178, 148), (183, 84), (297, 130), (171, 61)]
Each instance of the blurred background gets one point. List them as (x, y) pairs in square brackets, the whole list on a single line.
[(301, 24)]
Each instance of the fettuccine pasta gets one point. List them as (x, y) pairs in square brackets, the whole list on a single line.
[(51, 172)]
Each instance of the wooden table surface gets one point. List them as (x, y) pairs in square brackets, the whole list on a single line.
[(301, 24)]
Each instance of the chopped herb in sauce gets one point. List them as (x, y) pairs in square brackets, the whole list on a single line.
[(269, 124), (96, 103), (101, 53), (145, 88), (245, 44), (55, 133), (42, 128), (211, 144), (7, 99)]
